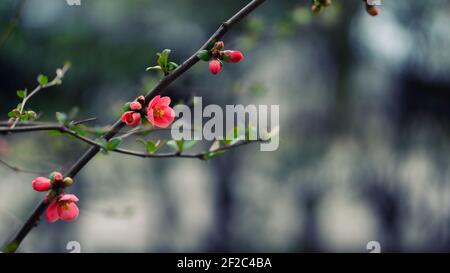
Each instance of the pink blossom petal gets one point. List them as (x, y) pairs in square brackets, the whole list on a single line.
[(68, 212), (163, 102), (68, 197), (153, 102), (52, 213)]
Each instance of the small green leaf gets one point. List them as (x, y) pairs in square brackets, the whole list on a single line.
[(204, 55), (14, 114), (61, 117), (172, 66), (189, 144), (156, 67), (42, 79), (23, 117), (211, 155), (103, 143), (113, 143), (21, 93)]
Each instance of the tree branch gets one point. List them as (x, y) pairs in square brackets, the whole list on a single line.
[(158, 89), (66, 130)]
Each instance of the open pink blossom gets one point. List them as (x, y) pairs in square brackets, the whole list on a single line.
[(63, 208), (131, 118), (159, 113), (41, 184)]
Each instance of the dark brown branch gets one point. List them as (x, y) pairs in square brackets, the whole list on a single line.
[(158, 89)]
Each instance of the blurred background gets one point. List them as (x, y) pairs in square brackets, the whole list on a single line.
[(364, 126)]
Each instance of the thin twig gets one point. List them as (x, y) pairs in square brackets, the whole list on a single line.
[(12, 245), (56, 81), (19, 169), (63, 129)]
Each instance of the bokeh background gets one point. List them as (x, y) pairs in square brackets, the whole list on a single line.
[(364, 126)]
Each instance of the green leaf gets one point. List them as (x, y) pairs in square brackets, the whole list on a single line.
[(61, 117), (232, 137), (42, 79), (204, 55), (151, 146), (14, 114), (80, 129), (189, 144), (103, 143), (156, 67), (21, 93), (211, 155), (23, 117), (113, 143), (172, 66)]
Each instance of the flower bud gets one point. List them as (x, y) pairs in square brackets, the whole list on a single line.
[(232, 56), (204, 55), (141, 100), (215, 66), (135, 106), (41, 184), (56, 177), (219, 45), (67, 182)]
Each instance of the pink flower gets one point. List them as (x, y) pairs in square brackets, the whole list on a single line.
[(131, 118), (41, 184), (215, 66), (159, 112), (135, 106), (233, 56), (64, 208)]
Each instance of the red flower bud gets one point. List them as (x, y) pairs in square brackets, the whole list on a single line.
[(141, 100), (135, 106), (41, 184), (219, 45), (233, 56), (215, 66), (57, 177), (131, 118)]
